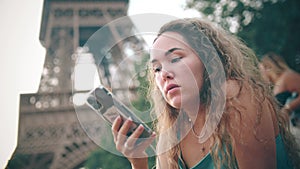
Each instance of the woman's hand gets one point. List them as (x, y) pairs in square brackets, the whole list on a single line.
[(128, 146)]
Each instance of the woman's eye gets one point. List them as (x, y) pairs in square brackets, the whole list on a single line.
[(176, 59), (156, 69)]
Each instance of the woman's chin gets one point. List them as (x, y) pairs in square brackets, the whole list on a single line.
[(176, 103), (186, 102)]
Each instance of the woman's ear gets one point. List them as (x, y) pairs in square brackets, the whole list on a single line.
[(232, 89)]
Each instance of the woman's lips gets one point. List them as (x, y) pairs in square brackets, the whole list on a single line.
[(171, 88)]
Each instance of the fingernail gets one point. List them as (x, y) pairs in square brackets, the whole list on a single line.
[(140, 127), (153, 134), (129, 119)]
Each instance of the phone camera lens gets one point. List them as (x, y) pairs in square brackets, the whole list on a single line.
[(92, 101)]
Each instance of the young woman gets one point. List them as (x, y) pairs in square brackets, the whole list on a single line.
[(212, 108), (285, 83)]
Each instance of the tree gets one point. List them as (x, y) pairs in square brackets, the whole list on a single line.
[(265, 25), (101, 159)]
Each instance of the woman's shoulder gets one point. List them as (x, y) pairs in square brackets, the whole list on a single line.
[(248, 104), (290, 75), (251, 124), (291, 80), (239, 89)]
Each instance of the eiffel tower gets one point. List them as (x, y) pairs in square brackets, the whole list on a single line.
[(50, 135)]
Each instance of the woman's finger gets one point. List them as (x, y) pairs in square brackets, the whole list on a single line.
[(117, 124), (146, 142), (121, 136), (138, 131), (116, 127), (130, 143), (125, 127), (137, 150)]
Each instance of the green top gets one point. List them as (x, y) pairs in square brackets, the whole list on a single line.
[(281, 156)]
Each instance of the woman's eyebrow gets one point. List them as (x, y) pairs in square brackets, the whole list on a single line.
[(153, 61), (167, 53), (171, 51)]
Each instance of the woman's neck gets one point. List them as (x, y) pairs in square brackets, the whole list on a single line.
[(198, 119)]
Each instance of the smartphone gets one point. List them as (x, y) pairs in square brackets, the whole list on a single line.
[(109, 108)]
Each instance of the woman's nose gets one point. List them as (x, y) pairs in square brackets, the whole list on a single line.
[(167, 74)]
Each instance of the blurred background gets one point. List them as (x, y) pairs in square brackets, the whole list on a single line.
[(39, 127)]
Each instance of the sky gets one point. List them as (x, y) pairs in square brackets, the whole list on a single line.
[(22, 56)]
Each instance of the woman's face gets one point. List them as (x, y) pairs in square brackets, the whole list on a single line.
[(265, 72), (177, 69)]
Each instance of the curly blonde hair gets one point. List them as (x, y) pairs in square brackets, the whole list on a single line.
[(239, 64)]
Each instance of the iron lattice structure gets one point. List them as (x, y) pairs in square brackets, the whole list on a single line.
[(50, 135)]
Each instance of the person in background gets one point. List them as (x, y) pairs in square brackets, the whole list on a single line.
[(187, 61), (285, 83)]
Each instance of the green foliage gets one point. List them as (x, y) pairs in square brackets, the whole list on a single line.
[(106, 160), (33, 161), (276, 29), (101, 159), (265, 25), (141, 105), (141, 68), (19, 161)]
